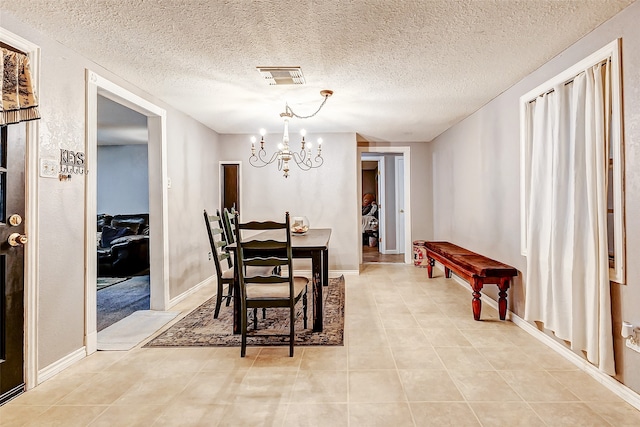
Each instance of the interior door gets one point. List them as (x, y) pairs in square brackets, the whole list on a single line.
[(400, 243), (230, 185), (12, 240)]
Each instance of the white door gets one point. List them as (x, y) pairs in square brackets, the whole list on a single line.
[(400, 218)]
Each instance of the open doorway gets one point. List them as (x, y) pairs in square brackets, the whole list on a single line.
[(230, 182), (384, 190), (157, 197), (380, 209), (123, 274)]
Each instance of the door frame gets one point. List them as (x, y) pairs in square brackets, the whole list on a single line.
[(381, 199), (221, 181), (405, 151), (31, 220), (158, 196), (399, 190)]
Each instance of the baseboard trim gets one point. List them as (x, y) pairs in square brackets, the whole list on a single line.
[(62, 364), (190, 291), (332, 273), (624, 392), (615, 386), (344, 272)]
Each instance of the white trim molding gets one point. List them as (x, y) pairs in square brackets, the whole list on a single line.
[(61, 365), (158, 196), (621, 390), (208, 281), (405, 151), (220, 183), (31, 222)]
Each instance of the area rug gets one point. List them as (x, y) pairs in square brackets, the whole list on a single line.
[(130, 331), (105, 282), (200, 329), (122, 299)]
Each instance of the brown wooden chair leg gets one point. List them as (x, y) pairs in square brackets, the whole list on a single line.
[(216, 312), (255, 318), (304, 308), (229, 294)]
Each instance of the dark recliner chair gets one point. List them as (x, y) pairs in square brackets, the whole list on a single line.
[(123, 245)]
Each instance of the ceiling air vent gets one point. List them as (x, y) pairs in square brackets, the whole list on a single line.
[(282, 75)]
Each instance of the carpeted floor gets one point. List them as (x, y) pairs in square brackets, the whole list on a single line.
[(105, 282), (200, 329), (118, 301)]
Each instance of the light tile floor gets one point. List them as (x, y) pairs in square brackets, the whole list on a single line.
[(413, 355)]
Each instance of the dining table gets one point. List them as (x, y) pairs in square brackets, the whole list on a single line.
[(313, 244)]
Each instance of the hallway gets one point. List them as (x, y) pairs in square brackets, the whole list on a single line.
[(372, 255)]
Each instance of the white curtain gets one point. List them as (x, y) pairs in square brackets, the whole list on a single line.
[(567, 284)]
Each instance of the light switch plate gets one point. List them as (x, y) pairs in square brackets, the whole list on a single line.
[(48, 168)]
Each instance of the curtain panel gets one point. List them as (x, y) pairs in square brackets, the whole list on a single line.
[(19, 100), (567, 286)]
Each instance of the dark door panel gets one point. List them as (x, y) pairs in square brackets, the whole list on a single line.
[(12, 226)]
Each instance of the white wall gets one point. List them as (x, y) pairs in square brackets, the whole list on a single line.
[(328, 196), (123, 179), (476, 177), (191, 155)]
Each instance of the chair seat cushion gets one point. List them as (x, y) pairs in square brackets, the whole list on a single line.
[(276, 291), (251, 271)]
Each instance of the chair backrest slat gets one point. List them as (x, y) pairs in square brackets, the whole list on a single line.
[(229, 222), (264, 253), (264, 225), (217, 241)]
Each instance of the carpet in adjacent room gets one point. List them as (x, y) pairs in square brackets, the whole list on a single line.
[(122, 299)]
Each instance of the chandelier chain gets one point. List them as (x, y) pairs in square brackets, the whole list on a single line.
[(289, 110)]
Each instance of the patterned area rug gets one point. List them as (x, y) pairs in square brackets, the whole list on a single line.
[(200, 329)]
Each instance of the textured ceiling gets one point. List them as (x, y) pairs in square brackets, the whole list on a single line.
[(401, 70)]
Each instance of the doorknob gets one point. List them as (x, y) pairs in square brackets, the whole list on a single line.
[(17, 239), (401, 210)]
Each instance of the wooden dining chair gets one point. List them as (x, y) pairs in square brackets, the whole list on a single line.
[(271, 290), (221, 259), (229, 222)]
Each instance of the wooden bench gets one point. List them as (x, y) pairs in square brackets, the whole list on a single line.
[(478, 270)]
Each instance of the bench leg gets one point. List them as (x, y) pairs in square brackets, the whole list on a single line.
[(476, 304), (430, 264), (447, 272), (502, 300)]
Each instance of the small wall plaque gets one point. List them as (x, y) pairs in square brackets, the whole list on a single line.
[(71, 162)]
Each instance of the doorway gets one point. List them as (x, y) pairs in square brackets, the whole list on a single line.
[(123, 279), (158, 185), (230, 180), (390, 166), (373, 205)]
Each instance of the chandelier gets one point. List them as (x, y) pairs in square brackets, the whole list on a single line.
[(304, 158)]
